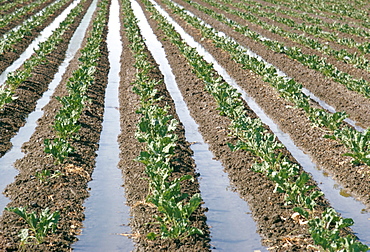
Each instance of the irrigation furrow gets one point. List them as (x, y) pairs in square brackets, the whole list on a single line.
[(63, 191), (15, 17), (25, 132), (335, 32), (299, 129), (323, 88), (184, 109), (16, 41), (231, 228), (32, 81), (352, 80), (298, 90), (106, 212), (136, 174), (215, 130), (324, 11), (338, 49), (289, 124), (12, 6), (332, 110), (365, 234), (313, 17)]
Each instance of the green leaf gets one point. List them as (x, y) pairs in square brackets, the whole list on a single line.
[(151, 236), (302, 212)]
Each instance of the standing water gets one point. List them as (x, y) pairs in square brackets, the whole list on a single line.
[(346, 205), (44, 35), (232, 229), (6, 162), (308, 93), (105, 209)]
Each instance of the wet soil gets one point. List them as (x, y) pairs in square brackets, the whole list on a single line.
[(326, 153), (66, 192), (136, 184), (342, 66), (278, 230), (8, 58), (20, 19), (13, 115), (335, 94), (322, 17), (18, 5), (325, 14)]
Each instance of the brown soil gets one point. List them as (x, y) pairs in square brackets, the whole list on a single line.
[(326, 153), (323, 14), (8, 58), (133, 172), (67, 192), (12, 9), (348, 68), (323, 18), (13, 116), (20, 19)]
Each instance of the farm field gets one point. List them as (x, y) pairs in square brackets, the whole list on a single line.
[(275, 94)]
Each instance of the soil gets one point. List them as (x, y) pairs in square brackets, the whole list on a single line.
[(327, 154), (323, 14), (342, 66), (136, 187), (335, 94), (278, 230), (18, 5), (13, 115), (67, 192), (20, 19), (8, 58)]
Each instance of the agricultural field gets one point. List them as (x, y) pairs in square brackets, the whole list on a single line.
[(184, 125)]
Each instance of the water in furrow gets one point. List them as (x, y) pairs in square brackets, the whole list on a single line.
[(24, 134), (44, 35), (307, 92), (106, 214), (348, 206), (232, 229)]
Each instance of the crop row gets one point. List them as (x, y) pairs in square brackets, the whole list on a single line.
[(253, 137), (359, 61), (17, 34), (46, 222), (156, 129), (6, 19), (8, 6), (314, 62), (66, 120), (314, 29), (337, 8), (289, 89), (318, 23), (39, 58)]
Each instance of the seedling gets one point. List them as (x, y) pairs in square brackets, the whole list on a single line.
[(156, 129), (40, 225), (287, 177), (58, 148), (46, 175)]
